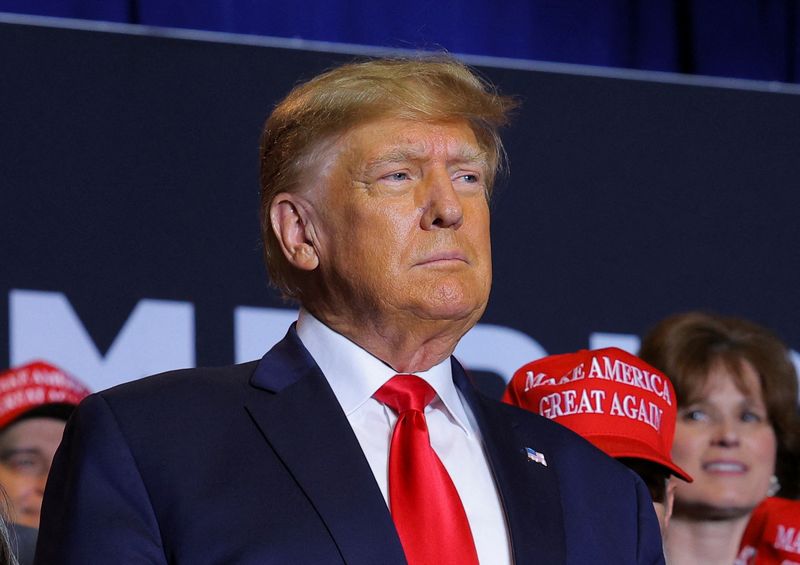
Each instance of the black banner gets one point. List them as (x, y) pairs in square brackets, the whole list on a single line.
[(129, 238)]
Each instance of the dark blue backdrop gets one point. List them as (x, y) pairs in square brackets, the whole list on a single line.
[(755, 39), (129, 237)]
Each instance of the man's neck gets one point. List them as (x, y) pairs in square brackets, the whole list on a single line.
[(406, 347)]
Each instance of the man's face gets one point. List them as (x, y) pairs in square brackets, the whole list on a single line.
[(402, 223), (26, 453)]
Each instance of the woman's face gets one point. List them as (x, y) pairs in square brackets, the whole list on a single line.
[(725, 441)]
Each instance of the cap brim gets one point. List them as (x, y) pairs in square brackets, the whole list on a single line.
[(625, 446)]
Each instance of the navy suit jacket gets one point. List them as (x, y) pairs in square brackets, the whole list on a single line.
[(257, 464)]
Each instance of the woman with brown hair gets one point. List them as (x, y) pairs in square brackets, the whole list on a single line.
[(736, 431)]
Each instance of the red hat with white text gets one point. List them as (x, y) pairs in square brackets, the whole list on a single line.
[(772, 536), (610, 397), (38, 389)]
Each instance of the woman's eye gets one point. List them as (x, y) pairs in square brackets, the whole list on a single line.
[(695, 415), (749, 416)]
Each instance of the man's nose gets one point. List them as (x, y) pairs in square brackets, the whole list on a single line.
[(442, 203)]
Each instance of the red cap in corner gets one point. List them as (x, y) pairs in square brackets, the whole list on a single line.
[(772, 536), (35, 385)]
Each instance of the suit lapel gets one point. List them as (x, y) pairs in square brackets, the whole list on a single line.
[(529, 490), (299, 416)]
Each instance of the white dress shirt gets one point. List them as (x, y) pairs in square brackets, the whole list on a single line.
[(355, 375)]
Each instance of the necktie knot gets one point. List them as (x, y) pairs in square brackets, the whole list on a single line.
[(405, 392)]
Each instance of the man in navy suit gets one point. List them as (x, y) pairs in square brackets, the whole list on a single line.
[(376, 179)]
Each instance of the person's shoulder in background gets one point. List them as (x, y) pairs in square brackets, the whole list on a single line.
[(23, 542)]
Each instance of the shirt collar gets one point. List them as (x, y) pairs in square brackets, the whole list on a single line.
[(355, 375)]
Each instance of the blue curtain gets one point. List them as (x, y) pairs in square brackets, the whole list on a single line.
[(755, 39)]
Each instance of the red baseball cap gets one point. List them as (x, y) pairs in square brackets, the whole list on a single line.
[(35, 386), (772, 536), (612, 398)]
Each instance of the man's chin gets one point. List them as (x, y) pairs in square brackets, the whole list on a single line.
[(455, 311)]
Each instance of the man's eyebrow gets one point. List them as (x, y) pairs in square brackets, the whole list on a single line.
[(395, 155), (464, 154), (468, 154)]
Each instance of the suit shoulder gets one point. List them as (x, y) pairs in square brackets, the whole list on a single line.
[(528, 420), (567, 448), (178, 379), (190, 390)]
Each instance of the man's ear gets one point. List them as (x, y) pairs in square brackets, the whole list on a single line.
[(291, 222)]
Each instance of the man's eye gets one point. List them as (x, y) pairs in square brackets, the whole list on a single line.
[(469, 178), (397, 176)]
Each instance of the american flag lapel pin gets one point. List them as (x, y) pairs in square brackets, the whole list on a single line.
[(535, 456)]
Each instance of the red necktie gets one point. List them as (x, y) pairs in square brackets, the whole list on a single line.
[(426, 508)]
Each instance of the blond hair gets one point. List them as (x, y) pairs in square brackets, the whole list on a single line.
[(427, 89)]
